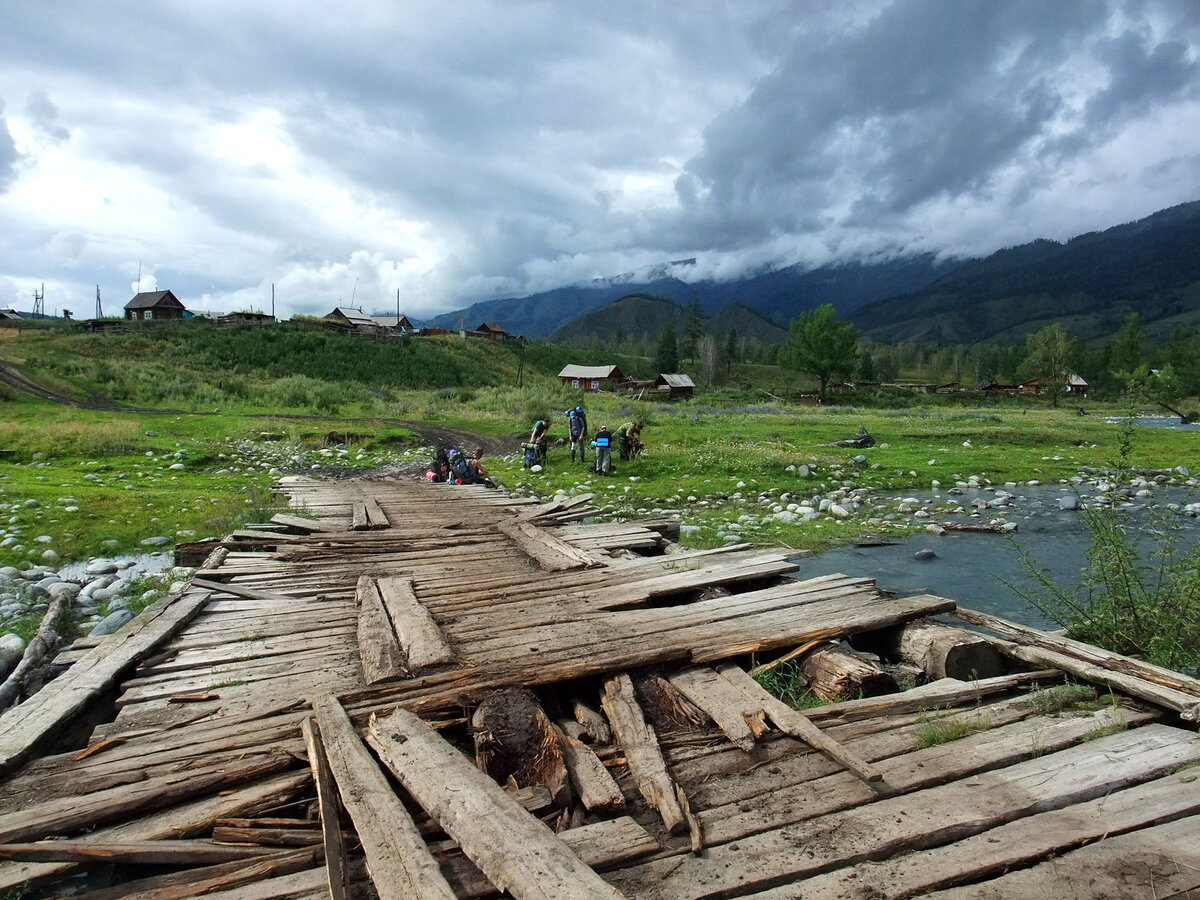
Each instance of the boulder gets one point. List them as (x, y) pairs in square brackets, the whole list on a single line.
[(111, 622)]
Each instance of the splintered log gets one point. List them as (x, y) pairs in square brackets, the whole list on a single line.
[(941, 651), (665, 705), (724, 703), (327, 803), (213, 879), (592, 721), (422, 641), (163, 853), (836, 674), (516, 852), (397, 858), (381, 659), (299, 523), (514, 739), (597, 789), (795, 723), (640, 743)]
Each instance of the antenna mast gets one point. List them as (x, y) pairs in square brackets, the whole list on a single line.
[(39, 301), (353, 292), (99, 310), (139, 284)]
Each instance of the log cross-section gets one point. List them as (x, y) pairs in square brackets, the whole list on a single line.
[(400, 864), (646, 764), (516, 852), (423, 643), (377, 646)]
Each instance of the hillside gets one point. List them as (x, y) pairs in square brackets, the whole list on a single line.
[(780, 294), (1090, 283), (643, 316)]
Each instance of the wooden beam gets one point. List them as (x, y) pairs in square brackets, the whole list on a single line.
[(327, 803), (793, 722), (640, 744), (29, 725), (515, 851), (422, 641), (397, 858), (168, 853), (548, 551), (377, 646), (597, 789), (725, 704)]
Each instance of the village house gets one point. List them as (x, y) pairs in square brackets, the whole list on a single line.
[(492, 332), (1074, 384), (351, 316), (591, 378), (676, 386), (245, 318), (154, 305), (398, 324)]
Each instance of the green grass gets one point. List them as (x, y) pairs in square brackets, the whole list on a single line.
[(1047, 701), (787, 682)]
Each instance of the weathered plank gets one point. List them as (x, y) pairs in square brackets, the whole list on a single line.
[(597, 789), (422, 641), (170, 853), (725, 704), (795, 723), (300, 523), (640, 745), (29, 725), (397, 858), (1015, 845), (916, 821), (515, 851), (1152, 863), (327, 804), (548, 551), (377, 646)]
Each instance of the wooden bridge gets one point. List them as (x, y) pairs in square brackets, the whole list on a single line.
[(315, 713)]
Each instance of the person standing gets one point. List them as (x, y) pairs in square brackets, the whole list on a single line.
[(603, 451), (537, 437), (577, 425)]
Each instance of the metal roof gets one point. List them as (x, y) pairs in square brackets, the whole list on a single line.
[(676, 380), (573, 371), (355, 316)]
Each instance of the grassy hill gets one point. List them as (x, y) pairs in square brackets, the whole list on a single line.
[(1091, 284)]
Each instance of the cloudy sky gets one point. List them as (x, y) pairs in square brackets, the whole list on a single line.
[(458, 151)]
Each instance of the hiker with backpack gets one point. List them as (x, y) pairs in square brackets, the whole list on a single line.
[(535, 447), (603, 445), (578, 430), (629, 437)]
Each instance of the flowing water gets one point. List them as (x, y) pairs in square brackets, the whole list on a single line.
[(972, 568)]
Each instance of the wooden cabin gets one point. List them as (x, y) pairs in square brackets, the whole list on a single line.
[(155, 305), (675, 386), (591, 378)]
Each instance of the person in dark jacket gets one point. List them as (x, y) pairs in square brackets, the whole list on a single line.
[(603, 451), (578, 428)]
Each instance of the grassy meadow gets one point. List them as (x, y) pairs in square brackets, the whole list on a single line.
[(226, 411)]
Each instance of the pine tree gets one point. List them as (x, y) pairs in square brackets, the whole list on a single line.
[(666, 357)]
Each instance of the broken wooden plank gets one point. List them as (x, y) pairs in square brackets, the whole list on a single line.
[(205, 880), (397, 858), (1023, 634), (327, 804), (376, 518), (358, 516), (548, 551), (300, 523), (795, 723), (248, 593), (515, 851), (377, 646), (422, 641), (640, 745), (29, 725), (169, 853), (597, 789), (725, 704)]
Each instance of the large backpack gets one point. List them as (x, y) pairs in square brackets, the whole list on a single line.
[(459, 465), (576, 425)]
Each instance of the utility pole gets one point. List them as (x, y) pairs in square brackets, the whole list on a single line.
[(99, 309), (39, 301), (272, 299)]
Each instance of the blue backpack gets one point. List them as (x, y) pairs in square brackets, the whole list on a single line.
[(459, 465), (576, 425)]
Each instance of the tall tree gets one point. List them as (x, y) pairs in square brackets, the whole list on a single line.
[(709, 359), (822, 346), (1048, 359), (731, 347), (1126, 353), (693, 327), (666, 357)]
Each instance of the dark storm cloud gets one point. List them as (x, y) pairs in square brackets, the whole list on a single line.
[(8, 153), (464, 149)]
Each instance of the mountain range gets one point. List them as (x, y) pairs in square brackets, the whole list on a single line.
[(1091, 283)]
